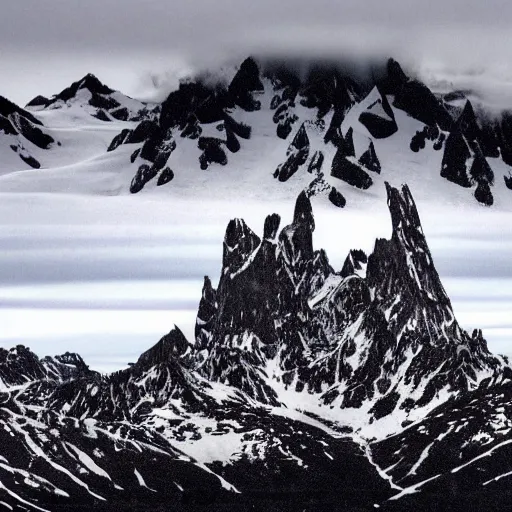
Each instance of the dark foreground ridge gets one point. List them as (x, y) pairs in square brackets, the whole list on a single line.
[(400, 407)]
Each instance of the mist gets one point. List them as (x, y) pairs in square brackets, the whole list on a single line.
[(144, 49)]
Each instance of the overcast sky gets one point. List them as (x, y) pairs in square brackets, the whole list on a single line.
[(44, 45)]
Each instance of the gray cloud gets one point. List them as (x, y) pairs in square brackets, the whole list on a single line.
[(130, 44)]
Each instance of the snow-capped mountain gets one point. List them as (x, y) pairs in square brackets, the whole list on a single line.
[(22, 134), (305, 388), (272, 129)]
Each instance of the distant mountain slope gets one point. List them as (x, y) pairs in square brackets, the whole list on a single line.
[(22, 133), (277, 131), (103, 102)]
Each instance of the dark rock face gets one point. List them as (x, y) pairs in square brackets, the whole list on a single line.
[(420, 103), (483, 137), (119, 139), (38, 101), (29, 131), (379, 119), (8, 108), (481, 171), (316, 162), (102, 98), (144, 174), (337, 198), (165, 177), (102, 116), (23, 126), (460, 450), (483, 194), (30, 160), (394, 79), (105, 103), (122, 114), (89, 82), (325, 88), (406, 322), (369, 159), (19, 366), (350, 172), (333, 134), (297, 155), (245, 82), (355, 262), (212, 152), (456, 154)]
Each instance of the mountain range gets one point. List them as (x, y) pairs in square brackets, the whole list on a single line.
[(304, 388), (271, 126)]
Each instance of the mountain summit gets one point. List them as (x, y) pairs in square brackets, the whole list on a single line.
[(305, 388)]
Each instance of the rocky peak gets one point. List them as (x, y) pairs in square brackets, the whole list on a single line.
[(246, 81), (355, 263), (296, 240), (170, 348), (89, 82), (8, 108), (239, 242), (402, 272)]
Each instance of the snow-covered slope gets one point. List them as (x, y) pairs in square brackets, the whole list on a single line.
[(271, 133)]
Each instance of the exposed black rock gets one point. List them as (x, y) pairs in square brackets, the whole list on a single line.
[(508, 181), (455, 157), (337, 198), (316, 162), (348, 143), (122, 114), (7, 127), (134, 155), (379, 118), (8, 108), (481, 171), (30, 160), (240, 129), (325, 88), (483, 194), (144, 174), (333, 133), (102, 116), (483, 137), (297, 155), (165, 177), (232, 142), (419, 102), (350, 172), (460, 450), (192, 129), (20, 366), (146, 129), (355, 262), (394, 79), (89, 82), (158, 148), (244, 84), (105, 103), (119, 139), (212, 152), (38, 101), (370, 160)]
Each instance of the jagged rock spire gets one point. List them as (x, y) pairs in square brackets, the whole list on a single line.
[(171, 347)]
